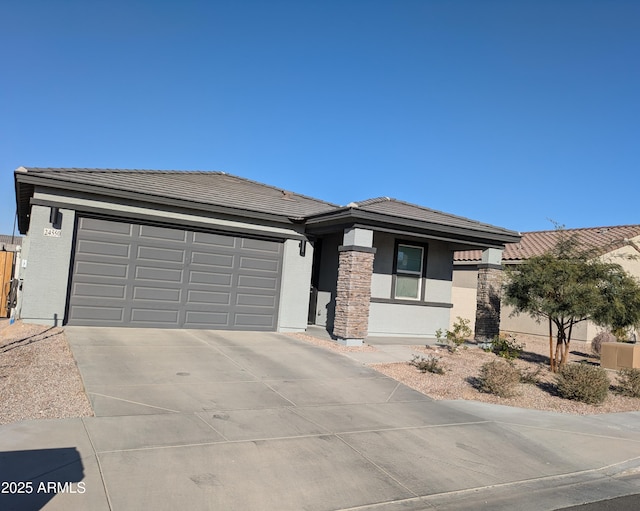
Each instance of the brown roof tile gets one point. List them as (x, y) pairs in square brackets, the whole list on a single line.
[(538, 242), (204, 187), (401, 209)]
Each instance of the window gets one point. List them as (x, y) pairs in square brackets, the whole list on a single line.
[(409, 263)]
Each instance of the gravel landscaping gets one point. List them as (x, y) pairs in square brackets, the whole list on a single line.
[(462, 369), (39, 378)]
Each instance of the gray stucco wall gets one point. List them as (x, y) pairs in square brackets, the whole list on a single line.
[(406, 319), (382, 265), (294, 287), (392, 319), (46, 275), (438, 272), (399, 320), (48, 259)]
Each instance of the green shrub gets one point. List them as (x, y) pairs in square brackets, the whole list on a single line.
[(506, 346), (499, 377), (428, 364), (596, 342), (456, 337), (583, 382), (622, 334), (629, 382)]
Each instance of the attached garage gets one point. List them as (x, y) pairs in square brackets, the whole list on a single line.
[(136, 275)]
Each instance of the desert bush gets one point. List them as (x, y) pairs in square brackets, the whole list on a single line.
[(530, 375), (457, 336), (583, 382), (629, 382), (506, 346), (596, 342), (429, 364), (499, 377)]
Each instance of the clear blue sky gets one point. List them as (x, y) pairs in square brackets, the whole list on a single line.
[(508, 112)]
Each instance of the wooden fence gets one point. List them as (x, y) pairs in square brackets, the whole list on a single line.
[(6, 273)]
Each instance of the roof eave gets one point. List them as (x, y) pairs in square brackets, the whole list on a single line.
[(24, 192), (26, 183), (356, 215)]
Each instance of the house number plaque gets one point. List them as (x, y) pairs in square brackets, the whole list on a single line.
[(52, 233)]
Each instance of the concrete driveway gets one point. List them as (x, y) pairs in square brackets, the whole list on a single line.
[(209, 420)]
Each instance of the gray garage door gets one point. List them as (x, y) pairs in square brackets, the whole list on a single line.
[(126, 274)]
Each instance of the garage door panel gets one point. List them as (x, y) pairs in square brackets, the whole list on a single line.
[(137, 275), (99, 312), (162, 233), (213, 240), (154, 316), (208, 297), (254, 263), (204, 319), (160, 254), (157, 294), (260, 245), (103, 248), (254, 320), (158, 274), (91, 290), (217, 279), (212, 260), (249, 282), (104, 227), (90, 268), (256, 300)]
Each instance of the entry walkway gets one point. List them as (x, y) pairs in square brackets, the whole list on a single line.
[(205, 420)]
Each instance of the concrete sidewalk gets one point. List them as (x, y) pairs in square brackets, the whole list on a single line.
[(202, 420)]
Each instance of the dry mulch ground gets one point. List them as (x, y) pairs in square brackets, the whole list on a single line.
[(463, 367), (39, 378)]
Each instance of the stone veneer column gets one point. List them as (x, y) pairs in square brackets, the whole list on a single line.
[(489, 293), (353, 294)]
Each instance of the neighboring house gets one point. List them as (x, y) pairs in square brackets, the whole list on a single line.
[(619, 244), (9, 243), (179, 249)]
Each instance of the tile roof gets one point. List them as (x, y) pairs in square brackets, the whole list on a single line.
[(203, 187), (401, 209), (536, 243), (221, 192)]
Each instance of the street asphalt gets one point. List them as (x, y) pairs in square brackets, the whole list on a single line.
[(211, 420)]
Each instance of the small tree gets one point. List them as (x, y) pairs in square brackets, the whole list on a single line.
[(568, 285)]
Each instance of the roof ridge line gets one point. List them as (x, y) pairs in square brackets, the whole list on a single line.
[(583, 229), (111, 170)]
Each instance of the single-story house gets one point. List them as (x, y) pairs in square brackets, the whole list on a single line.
[(618, 244), (186, 249)]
